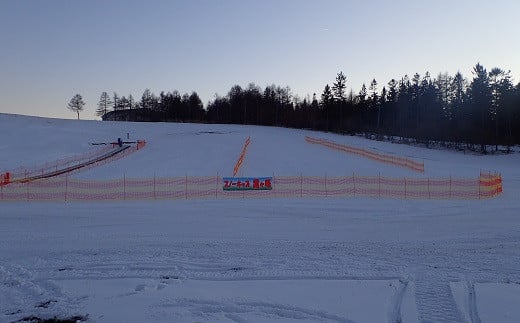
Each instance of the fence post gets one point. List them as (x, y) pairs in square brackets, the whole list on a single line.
[(216, 188), (326, 194), (154, 194), (429, 196), (479, 184), (301, 185), (405, 187), (27, 189), (450, 186), (354, 181), (379, 182), (124, 186), (274, 186)]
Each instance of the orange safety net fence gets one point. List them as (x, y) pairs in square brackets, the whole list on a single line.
[(70, 165), (242, 156), (388, 159), (68, 189)]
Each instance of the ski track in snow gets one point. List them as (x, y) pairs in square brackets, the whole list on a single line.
[(430, 265), (233, 310)]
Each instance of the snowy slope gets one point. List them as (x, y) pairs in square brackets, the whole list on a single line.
[(329, 260)]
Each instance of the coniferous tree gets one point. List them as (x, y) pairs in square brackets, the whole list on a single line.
[(338, 87), (361, 108), (458, 108), (195, 107), (373, 104), (480, 95), (362, 96), (405, 103), (501, 93), (515, 114), (327, 100), (147, 100), (131, 102), (116, 104), (381, 105), (104, 104), (391, 107), (123, 103), (430, 118), (253, 104), (442, 84), (340, 98), (315, 106)]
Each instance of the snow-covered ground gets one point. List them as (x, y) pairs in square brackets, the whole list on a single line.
[(254, 260)]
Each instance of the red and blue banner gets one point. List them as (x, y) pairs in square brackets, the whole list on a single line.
[(248, 183)]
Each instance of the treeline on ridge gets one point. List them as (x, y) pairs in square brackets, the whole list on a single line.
[(447, 110)]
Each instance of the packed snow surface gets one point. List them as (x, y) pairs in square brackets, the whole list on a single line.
[(254, 260)]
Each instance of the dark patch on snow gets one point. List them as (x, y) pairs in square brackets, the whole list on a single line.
[(211, 133), (165, 277), (235, 269), (35, 319), (64, 268), (45, 304)]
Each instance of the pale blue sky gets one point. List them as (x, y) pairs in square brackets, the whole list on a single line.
[(51, 50)]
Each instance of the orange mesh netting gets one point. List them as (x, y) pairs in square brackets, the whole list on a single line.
[(65, 188), (383, 158), (242, 156)]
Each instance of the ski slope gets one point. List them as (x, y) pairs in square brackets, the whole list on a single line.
[(254, 260)]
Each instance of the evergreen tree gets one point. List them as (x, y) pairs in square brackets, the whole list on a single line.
[(458, 108), (373, 105), (315, 106), (392, 113), (481, 97), (362, 96), (123, 103), (404, 106), (104, 104), (442, 83), (392, 90), (374, 98), (147, 100), (195, 107), (380, 105), (116, 104), (338, 87), (131, 102), (327, 100), (501, 93), (314, 103)]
